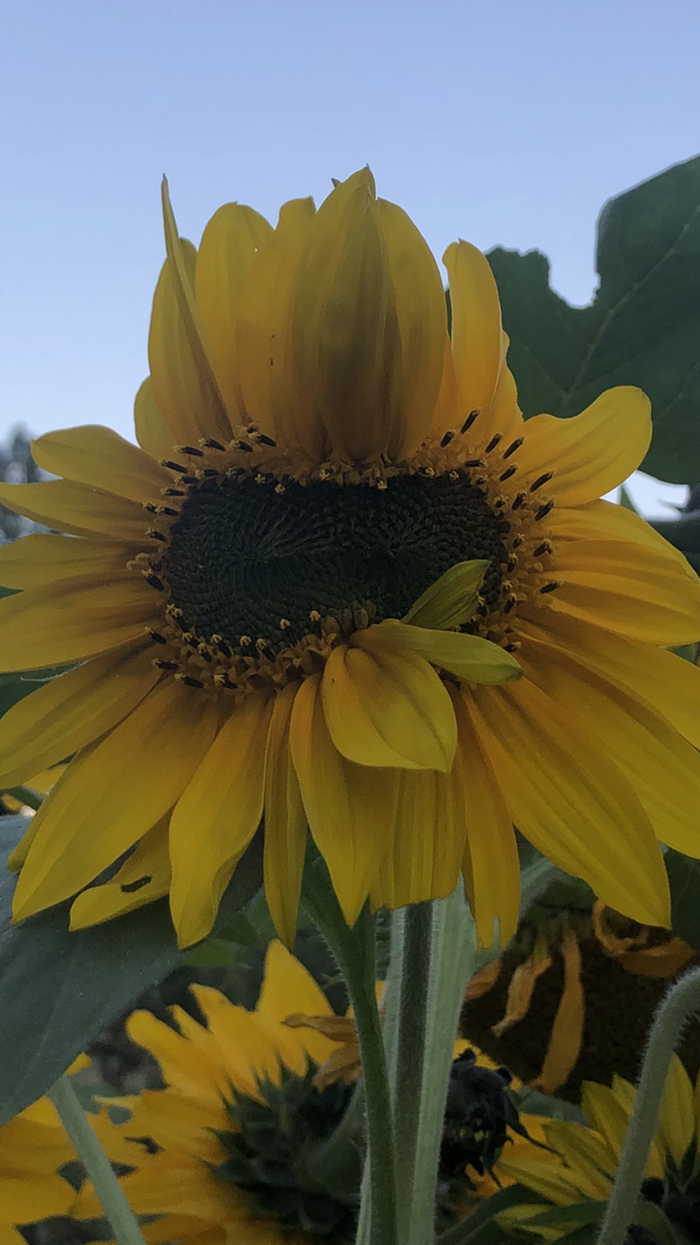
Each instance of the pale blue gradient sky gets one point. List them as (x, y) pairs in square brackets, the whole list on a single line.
[(507, 123)]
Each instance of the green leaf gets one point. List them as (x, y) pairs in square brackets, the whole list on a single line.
[(58, 988), (684, 533), (684, 879), (626, 501), (14, 687), (480, 1227), (575, 1213), (532, 1102), (642, 327), (650, 1216)]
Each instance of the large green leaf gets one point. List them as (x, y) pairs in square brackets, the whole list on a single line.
[(59, 989), (642, 328)]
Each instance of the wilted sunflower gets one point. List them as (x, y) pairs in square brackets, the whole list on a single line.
[(230, 1149), (585, 1160), (574, 996), (303, 595)]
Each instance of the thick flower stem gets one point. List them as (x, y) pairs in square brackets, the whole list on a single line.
[(413, 925), (681, 1001), (354, 951), (121, 1217), (437, 962)]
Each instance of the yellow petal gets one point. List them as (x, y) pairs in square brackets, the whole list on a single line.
[(216, 817), (603, 1110), (557, 1184), (369, 717), (582, 1147), (593, 452), (603, 520), (73, 618), (504, 414), (188, 1066), (452, 599), (114, 792), (31, 1196), (285, 823), (38, 559), (491, 866), (664, 961), (349, 807), (229, 245), (566, 1036), (77, 509), (152, 431), (677, 1124), (143, 877), (468, 656), (263, 346), (522, 985), (661, 766), (100, 458), (638, 592), (185, 387), (477, 342), (429, 831), (446, 414), (422, 317), (346, 346), (569, 799), (287, 987), (65, 714), (667, 683), (385, 705)]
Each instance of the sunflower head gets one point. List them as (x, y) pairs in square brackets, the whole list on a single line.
[(272, 1154), (343, 585), (583, 1158)]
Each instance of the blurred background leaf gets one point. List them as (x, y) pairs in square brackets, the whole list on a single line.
[(642, 327)]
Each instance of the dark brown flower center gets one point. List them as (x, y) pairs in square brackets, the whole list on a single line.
[(254, 558)]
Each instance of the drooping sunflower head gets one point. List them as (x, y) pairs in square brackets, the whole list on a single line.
[(312, 591)]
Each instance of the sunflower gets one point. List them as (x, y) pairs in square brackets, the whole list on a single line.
[(229, 1149), (33, 1146), (585, 1158), (574, 996), (233, 1147), (310, 591)]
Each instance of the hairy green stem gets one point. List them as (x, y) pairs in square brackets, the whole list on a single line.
[(121, 1217), (416, 923), (354, 951), (452, 958), (679, 1004)]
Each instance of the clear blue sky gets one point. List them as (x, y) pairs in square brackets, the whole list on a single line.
[(506, 123)]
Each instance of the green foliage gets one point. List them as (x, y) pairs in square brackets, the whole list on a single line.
[(17, 467), (642, 327), (480, 1228), (684, 878), (59, 989), (684, 533)]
